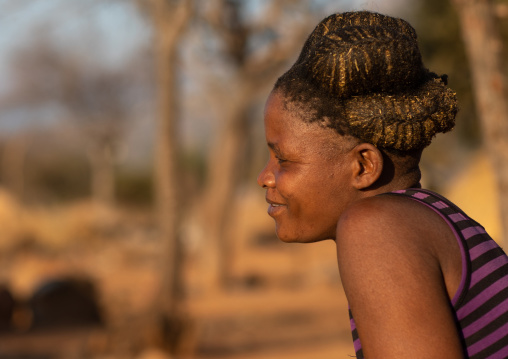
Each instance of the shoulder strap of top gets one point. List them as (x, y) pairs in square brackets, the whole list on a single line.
[(457, 221)]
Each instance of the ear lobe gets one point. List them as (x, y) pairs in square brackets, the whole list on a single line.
[(368, 166)]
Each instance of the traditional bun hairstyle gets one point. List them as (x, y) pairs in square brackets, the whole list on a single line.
[(361, 73)]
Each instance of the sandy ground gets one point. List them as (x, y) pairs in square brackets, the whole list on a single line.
[(306, 322), (287, 301)]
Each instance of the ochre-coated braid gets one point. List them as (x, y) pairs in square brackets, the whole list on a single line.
[(362, 74)]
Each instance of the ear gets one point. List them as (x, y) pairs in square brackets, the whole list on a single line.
[(367, 165)]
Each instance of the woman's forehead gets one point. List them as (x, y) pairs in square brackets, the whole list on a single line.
[(285, 127), (284, 115)]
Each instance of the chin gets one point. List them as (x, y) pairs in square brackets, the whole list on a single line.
[(294, 238), (286, 237)]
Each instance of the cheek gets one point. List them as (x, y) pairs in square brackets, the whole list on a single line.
[(304, 194), (286, 181)]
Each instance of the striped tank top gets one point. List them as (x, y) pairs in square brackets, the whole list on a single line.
[(481, 302)]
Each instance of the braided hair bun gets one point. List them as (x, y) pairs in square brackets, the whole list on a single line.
[(362, 74)]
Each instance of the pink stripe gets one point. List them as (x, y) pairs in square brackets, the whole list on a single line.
[(352, 324), (486, 319), (357, 345), (457, 217), (488, 340), (440, 205), (481, 248), (420, 195), (471, 231), (487, 268), (480, 299)]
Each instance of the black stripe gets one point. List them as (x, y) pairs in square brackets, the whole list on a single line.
[(359, 354), (492, 349), (451, 204), (488, 329), (354, 333), (486, 282), (465, 224), (486, 257), (478, 313), (477, 239)]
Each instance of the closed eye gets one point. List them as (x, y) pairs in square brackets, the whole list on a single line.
[(277, 153), (280, 160)]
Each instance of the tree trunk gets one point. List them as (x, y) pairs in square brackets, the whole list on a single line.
[(483, 46), (224, 176), (13, 165), (252, 74), (169, 21), (103, 174)]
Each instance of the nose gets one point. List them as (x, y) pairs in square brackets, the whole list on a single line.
[(266, 178)]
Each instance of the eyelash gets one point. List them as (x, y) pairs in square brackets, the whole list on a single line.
[(280, 160)]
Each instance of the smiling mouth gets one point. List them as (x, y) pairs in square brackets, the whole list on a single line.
[(276, 209)]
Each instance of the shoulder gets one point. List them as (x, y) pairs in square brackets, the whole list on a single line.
[(393, 278), (401, 220), (387, 228), (396, 223)]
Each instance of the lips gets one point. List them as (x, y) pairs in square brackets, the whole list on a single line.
[(275, 208)]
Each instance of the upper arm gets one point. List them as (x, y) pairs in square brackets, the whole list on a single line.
[(394, 283)]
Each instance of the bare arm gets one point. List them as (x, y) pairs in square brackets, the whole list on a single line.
[(394, 282)]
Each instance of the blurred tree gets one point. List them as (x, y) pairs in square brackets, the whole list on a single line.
[(98, 101), (442, 48), (484, 47), (56, 168), (169, 19), (13, 164), (255, 49)]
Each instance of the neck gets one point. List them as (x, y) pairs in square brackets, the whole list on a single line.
[(399, 172)]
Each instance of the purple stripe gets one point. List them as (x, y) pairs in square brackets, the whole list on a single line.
[(357, 345), (471, 231), (440, 205), (481, 298), (463, 256), (352, 324), (488, 340), (457, 217), (486, 319), (487, 268), (420, 195), (502, 353), (481, 248)]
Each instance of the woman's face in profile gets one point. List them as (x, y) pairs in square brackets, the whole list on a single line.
[(307, 177)]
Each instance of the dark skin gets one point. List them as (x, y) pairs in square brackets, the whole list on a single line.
[(399, 261)]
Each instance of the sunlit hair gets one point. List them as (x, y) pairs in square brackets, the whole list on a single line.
[(361, 73)]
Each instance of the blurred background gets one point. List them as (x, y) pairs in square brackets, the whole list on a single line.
[(131, 135)]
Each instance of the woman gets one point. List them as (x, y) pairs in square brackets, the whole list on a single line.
[(345, 127)]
